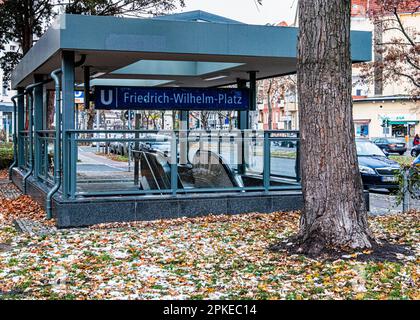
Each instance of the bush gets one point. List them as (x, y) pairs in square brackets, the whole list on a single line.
[(6, 155)]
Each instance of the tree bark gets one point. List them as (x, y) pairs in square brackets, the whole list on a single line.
[(270, 109), (334, 214)]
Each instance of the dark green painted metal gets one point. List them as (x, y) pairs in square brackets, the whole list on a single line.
[(29, 92), (185, 191), (253, 90), (298, 173), (20, 126), (15, 134), (68, 120), (182, 134), (38, 102), (249, 135), (174, 165), (267, 162), (243, 124), (178, 38), (86, 86), (57, 144)]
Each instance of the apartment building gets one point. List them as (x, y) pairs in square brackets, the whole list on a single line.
[(384, 108)]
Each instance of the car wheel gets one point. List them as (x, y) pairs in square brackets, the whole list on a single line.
[(414, 188), (413, 153), (401, 153), (393, 192)]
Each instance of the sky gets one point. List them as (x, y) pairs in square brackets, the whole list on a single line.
[(272, 11)]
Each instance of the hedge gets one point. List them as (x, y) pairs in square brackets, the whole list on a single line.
[(6, 155)]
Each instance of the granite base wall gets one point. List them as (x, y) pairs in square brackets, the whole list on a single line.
[(88, 211)]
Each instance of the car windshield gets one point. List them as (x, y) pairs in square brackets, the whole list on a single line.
[(366, 148)]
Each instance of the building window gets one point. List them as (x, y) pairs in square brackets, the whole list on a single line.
[(4, 89), (12, 48), (362, 130), (358, 92)]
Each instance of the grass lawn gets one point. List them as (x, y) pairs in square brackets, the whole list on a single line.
[(402, 160), (279, 154), (114, 157), (216, 257)]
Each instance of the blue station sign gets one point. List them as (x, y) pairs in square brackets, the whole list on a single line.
[(150, 98)]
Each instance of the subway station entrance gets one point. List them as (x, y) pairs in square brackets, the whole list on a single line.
[(184, 63)]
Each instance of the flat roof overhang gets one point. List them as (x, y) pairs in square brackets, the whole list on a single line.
[(165, 52)]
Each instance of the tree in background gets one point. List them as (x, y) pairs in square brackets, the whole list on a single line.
[(334, 216), (269, 90), (24, 21), (397, 56), (120, 7), (272, 90), (21, 22), (203, 118)]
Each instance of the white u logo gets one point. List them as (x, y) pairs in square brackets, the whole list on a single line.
[(103, 100)]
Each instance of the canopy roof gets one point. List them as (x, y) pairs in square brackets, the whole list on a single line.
[(192, 49)]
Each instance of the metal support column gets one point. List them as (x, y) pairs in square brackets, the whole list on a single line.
[(267, 162), (174, 164), (252, 90), (136, 147), (68, 121), (86, 78), (243, 124), (38, 106), (183, 143), (20, 127)]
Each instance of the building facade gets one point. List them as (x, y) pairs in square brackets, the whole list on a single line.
[(386, 116), (390, 103), (384, 108), (6, 106)]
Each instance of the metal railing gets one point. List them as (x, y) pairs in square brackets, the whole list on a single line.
[(24, 139), (257, 156), (45, 165)]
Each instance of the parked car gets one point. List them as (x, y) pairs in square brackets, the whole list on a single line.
[(157, 142), (415, 151), (99, 136), (116, 147), (378, 172), (391, 145)]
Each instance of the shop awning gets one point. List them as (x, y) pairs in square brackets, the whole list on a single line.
[(404, 122)]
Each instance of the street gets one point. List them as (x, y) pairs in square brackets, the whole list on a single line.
[(93, 165)]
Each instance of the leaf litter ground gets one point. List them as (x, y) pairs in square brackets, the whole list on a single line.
[(213, 257)]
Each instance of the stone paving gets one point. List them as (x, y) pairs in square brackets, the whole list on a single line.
[(33, 227), (8, 190), (384, 203)]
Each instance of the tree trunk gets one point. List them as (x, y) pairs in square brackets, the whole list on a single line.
[(378, 58), (270, 113), (90, 114), (173, 120), (27, 32), (270, 109), (334, 214), (50, 109)]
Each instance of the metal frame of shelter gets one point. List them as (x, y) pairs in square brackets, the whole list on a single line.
[(194, 49)]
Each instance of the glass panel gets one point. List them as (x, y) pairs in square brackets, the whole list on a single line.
[(283, 158), (118, 163)]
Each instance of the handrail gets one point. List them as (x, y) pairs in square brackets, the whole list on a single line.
[(29, 91), (57, 145), (45, 131), (15, 133), (171, 131)]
